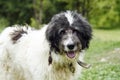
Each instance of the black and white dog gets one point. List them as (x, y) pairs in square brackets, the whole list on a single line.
[(51, 53)]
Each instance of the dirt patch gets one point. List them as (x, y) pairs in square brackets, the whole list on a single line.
[(112, 56)]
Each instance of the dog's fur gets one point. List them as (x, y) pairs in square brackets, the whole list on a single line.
[(50, 53)]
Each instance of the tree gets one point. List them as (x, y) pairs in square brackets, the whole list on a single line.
[(101, 13), (105, 13), (16, 11), (38, 10)]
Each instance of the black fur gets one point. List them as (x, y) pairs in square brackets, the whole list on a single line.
[(17, 34), (53, 28), (60, 21)]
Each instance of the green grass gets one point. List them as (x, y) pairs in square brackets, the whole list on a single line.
[(104, 55)]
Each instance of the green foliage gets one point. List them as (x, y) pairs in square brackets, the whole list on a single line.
[(105, 14), (16, 11), (100, 13), (3, 22), (34, 23), (48, 10)]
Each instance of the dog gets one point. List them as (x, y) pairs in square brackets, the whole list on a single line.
[(52, 53)]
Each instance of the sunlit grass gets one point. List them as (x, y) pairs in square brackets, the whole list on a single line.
[(107, 35), (102, 71), (104, 55)]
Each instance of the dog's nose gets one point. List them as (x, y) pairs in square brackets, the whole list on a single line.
[(71, 46)]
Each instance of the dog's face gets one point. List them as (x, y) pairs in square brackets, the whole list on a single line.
[(69, 42), (68, 33)]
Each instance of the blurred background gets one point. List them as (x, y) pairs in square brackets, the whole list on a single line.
[(103, 15), (100, 13)]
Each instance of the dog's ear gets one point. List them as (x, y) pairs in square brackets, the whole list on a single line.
[(85, 36), (85, 31), (52, 36), (50, 33)]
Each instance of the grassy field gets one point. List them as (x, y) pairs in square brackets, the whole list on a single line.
[(104, 55)]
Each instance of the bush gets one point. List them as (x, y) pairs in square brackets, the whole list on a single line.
[(3, 23)]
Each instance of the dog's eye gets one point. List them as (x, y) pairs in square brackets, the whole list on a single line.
[(62, 32), (75, 31)]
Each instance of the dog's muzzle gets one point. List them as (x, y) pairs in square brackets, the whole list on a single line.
[(71, 46), (70, 50)]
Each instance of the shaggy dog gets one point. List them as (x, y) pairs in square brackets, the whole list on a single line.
[(51, 53)]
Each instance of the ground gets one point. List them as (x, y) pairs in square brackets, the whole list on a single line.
[(104, 55)]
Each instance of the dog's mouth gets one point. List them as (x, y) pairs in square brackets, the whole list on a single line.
[(70, 54)]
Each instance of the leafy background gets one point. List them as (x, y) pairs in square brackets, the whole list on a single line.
[(100, 13)]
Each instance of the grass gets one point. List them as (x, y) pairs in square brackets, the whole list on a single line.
[(104, 55)]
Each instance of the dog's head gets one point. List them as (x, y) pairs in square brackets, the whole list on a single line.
[(68, 32)]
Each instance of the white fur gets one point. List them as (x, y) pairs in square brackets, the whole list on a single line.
[(69, 41), (69, 17), (28, 58)]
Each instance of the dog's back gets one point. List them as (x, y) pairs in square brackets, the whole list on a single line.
[(10, 69), (23, 54)]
